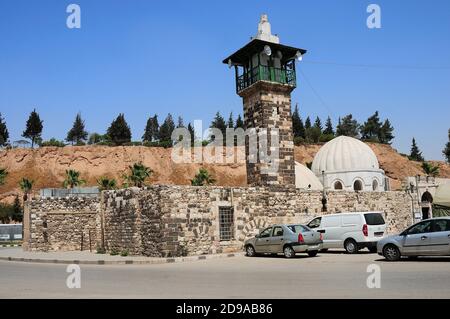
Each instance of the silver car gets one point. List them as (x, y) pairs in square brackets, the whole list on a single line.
[(286, 239), (430, 237)]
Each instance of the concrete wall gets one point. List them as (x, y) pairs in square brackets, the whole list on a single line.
[(184, 220)]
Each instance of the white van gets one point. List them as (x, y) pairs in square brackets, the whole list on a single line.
[(352, 231)]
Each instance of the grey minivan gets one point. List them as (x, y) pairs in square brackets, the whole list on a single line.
[(430, 237), (285, 239)]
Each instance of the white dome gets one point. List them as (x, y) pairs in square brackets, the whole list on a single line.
[(344, 153), (304, 178)]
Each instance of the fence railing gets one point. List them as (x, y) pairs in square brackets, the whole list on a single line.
[(266, 73)]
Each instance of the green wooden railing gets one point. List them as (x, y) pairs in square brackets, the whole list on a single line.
[(265, 73)]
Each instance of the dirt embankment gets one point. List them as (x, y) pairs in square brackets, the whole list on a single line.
[(47, 165)]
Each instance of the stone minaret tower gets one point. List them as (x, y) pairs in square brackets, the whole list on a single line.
[(265, 78)]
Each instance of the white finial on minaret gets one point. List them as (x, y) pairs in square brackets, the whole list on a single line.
[(264, 30)]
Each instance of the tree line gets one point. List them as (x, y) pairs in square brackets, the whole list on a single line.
[(373, 130), (118, 133), (156, 134)]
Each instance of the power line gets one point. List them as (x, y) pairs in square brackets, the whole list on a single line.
[(322, 101), (381, 66)]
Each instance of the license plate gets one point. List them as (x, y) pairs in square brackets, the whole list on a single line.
[(379, 234)]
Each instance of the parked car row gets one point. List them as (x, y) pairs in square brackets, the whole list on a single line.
[(353, 231)]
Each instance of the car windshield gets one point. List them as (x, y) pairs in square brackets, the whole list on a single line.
[(374, 219), (298, 228)]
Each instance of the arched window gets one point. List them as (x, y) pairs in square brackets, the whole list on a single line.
[(375, 185), (357, 185), (338, 185), (427, 197)]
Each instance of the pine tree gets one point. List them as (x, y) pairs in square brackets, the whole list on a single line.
[(308, 124), (151, 132), (297, 123), (119, 132), (4, 134), (77, 133), (239, 122), (446, 150), (230, 122), (191, 133), (180, 122), (219, 123), (386, 133), (17, 215), (33, 128), (416, 154), (328, 127), (166, 130), (348, 127), (318, 124), (371, 129)]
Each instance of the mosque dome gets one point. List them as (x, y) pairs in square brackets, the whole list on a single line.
[(344, 153), (349, 164), (305, 178)]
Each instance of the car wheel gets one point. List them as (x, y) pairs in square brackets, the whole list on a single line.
[(288, 252), (250, 251), (351, 246), (391, 253), (373, 250), (312, 253)]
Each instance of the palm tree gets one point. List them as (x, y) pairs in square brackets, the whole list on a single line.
[(3, 174), (26, 185), (72, 179), (430, 169), (106, 183), (139, 173), (202, 178)]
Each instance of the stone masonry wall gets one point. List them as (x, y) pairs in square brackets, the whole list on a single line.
[(184, 220), (61, 224)]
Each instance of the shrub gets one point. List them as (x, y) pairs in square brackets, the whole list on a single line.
[(202, 178), (326, 138), (114, 252), (299, 141), (52, 142), (101, 250), (124, 253), (105, 183)]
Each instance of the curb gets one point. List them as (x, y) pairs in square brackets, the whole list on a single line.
[(122, 262)]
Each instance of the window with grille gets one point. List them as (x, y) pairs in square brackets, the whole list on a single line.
[(226, 222)]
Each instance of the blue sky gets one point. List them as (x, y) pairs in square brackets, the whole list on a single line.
[(145, 57)]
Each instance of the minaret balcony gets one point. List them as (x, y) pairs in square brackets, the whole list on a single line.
[(265, 73)]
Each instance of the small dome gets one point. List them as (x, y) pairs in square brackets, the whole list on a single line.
[(344, 153), (305, 178)]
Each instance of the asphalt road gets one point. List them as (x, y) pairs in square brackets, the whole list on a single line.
[(331, 275)]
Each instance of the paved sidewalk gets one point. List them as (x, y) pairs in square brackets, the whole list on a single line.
[(85, 257)]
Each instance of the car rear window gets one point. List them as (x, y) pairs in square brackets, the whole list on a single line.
[(374, 219), (298, 228)]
